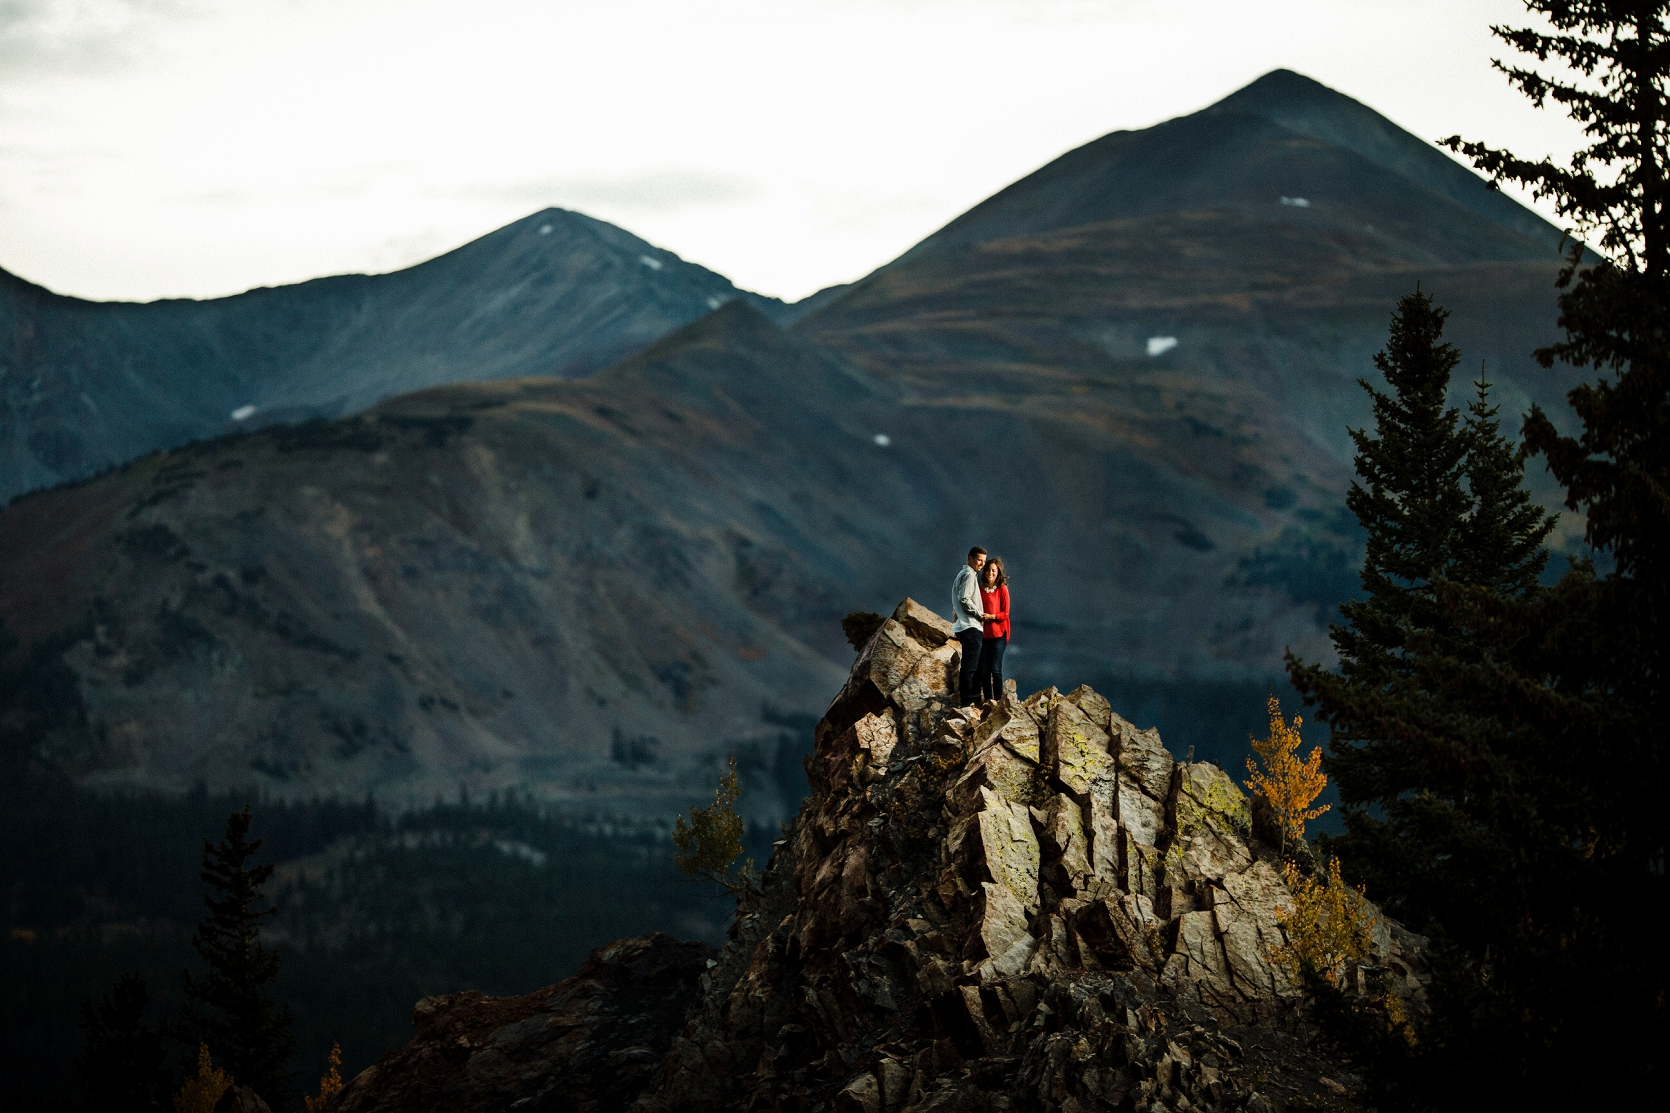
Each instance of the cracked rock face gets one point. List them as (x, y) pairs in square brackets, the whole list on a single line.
[(1026, 905), (1023, 905)]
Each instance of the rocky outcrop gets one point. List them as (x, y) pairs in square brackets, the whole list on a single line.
[(1023, 905), (1028, 904), (241, 1099), (592, 1042)]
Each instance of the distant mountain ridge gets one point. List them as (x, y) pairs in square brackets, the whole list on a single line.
[(1130, 373), (87, 385)]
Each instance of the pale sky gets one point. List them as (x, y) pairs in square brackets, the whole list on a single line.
[(153, 148)]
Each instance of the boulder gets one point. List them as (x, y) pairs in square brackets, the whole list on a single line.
[(997, 844), (1039, 703), (861, 1095), (887, 660), (1000, 922), (1012, 724), (1097, 709), (1142, 758), (1247, 913), (928, 628), (1139, 865), (859, 753), (1063, 843), (1075, 753), (241, 1099), (999, 769), (1211, 823), (1121, 931), (1140, 814), (1201, 952), (1104, 843), (932, 677)]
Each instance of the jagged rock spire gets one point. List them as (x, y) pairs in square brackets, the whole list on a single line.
[(1026, 905), (1022, 904)]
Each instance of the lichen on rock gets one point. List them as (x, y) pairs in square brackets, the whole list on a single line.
[(1068, 919)]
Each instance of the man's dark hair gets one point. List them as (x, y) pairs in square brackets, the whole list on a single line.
[(976, 551)]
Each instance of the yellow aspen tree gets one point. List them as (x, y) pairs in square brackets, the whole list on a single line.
[(203, 1091), (712, 840), (329, 1083), (1331, 924), (1281, 778)]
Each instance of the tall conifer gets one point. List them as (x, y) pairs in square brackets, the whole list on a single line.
[(123, 1061), (231, 1009), (1578, 684), (1411, 498)]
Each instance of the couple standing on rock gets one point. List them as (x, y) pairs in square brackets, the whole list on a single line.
[(980, 614)]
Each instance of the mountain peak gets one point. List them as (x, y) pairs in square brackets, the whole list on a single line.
[(1305, 105), (1282, 87)]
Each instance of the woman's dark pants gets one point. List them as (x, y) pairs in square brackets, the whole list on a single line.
[(988, 678), (970, 640)]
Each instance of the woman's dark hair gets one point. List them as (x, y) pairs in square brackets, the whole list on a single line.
[(997, 563)]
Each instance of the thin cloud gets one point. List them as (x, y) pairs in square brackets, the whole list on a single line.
[(661, 190), (59, 37)]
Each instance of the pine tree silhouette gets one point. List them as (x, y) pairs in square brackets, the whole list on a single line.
[(1577, 676), (230, 1009), (1416, 758), (123, 1062)]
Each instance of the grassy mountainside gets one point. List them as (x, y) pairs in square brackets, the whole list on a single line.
[(1194, 304)]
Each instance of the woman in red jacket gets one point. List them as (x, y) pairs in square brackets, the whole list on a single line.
[(994, 600)]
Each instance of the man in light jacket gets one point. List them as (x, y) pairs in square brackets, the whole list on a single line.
[(968, 619)]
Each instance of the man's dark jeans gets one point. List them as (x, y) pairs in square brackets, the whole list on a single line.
[(988, 682), (970, 640)]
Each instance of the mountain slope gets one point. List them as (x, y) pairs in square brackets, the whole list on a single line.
[(530, 583), (1205, 296), (572, 587), (1130, 374), (90, 384)]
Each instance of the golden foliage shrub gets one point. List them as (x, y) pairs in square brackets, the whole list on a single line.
[(1288, 783), (202, 1091), (1331, 924), (329, 1083), (712, 840)]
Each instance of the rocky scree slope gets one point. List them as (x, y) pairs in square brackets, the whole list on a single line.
[(583, 589), (1025, 905)]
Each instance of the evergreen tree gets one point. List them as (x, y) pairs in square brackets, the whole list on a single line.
[(230, 1010), (1575, 681), (1441, 793), (1615, 315), (123, 1061), (1501, 543), (1439, 498)]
